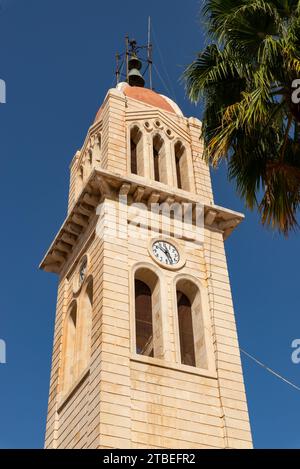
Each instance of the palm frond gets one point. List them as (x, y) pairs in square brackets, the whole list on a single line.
[(250, 118)]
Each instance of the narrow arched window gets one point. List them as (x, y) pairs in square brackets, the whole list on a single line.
[(79, 181), (70, 367), (159, 160), (190, 324), (156, 150), (186, 335), (136, 152), (90, 157), (97, 148), (148, 318), (85, 327), (181, 167), (143, 319)]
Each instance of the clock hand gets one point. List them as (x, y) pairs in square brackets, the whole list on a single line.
[(169, 256), (166, 252), (162, 249)]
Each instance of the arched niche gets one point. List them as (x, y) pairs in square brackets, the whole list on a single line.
[(70, 358)]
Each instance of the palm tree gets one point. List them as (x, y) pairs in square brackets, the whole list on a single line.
[(246, 78)]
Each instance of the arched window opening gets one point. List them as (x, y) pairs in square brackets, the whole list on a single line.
[(159, 160), (85, 327), (136, 152), (143, 319), (148, 320), (190, 325), (90, 157), (97, 148), (186, 335), (156, 161), (80, 175), (181, 167), (70, 370)]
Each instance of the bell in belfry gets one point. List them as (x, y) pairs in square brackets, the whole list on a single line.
[(135, 77)]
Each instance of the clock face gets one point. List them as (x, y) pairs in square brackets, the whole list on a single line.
[(165, 252)]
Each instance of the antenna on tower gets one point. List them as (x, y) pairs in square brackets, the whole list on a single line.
[(133, 58), (127, 54), (149, 53)]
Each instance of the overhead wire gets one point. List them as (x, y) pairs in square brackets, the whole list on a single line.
[(170, 88), (258, 362), (162, 80)]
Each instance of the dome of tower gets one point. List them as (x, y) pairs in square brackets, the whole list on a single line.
[(150, 97), (147, 96)]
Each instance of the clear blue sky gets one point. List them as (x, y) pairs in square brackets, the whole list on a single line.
[(57, 58)]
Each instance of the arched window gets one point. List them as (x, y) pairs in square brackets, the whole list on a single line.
[(186, 335), (136, 152), (85, 327), (159, 160), (79, 181), (97, 148), (90, 157), (70, 365), (181, 167), (190, 324), (143, 319), (148, 321)]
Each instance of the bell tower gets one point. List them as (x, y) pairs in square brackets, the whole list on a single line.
[(145, 351)]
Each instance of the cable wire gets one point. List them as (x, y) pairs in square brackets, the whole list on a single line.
[(172, 93), (270, 370), (162, 80)]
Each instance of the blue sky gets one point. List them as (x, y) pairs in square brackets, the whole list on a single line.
[(57, 58)]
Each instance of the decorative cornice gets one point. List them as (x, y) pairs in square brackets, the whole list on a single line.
[(73, 227), (104, 184)]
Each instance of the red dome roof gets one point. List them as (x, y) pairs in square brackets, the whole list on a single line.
[(148, 96), (144, 95)]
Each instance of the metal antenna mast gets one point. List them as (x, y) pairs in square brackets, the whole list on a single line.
[(127, 54), (149, 53), (117, 68)]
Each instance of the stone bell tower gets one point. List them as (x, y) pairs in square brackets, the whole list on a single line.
[(145, 350)]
